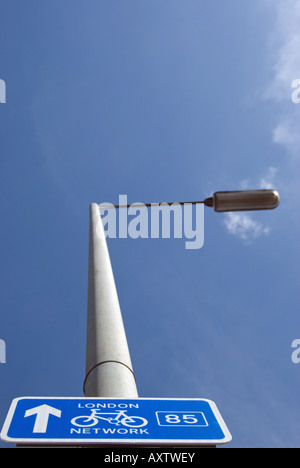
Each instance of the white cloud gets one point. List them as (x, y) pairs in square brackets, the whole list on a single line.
[(286, 46), (285, 52), (287, 134), (244, 226), (268, 181)]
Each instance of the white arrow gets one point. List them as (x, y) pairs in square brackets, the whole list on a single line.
[(42, 416)]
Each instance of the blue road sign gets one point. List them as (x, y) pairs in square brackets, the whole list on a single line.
[(107, 421)]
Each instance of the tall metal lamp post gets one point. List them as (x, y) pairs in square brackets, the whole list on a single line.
[(109, 371)]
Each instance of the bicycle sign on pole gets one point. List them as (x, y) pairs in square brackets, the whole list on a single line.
[(118, 418), (111, 421)]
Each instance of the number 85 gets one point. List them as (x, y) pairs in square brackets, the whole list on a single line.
[(186, 418)]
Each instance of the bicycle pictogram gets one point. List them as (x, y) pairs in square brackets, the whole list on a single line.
[(118, 418)]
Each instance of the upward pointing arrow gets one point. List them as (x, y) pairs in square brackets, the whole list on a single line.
[(42, 416)]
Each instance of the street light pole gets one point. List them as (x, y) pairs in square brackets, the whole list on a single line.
[(108, 364)]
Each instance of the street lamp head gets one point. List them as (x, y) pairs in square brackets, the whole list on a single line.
[(244, 200)]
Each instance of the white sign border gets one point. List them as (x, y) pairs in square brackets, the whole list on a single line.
[(111, 442)]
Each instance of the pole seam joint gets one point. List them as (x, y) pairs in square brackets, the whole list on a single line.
[(105, 362)]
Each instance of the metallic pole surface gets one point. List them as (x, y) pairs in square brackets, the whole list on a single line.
[(108, 365)]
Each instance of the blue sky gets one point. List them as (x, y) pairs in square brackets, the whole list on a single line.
[(161, 100)]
